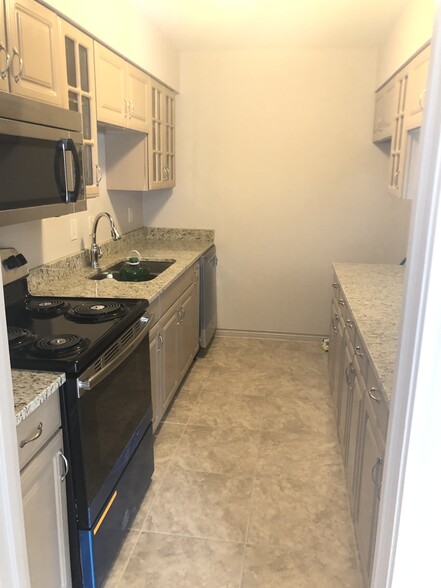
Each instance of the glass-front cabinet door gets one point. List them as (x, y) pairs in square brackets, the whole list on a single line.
[(162, 138), (80, 97)]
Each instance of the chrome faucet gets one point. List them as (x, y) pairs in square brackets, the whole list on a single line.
[(95, 250)]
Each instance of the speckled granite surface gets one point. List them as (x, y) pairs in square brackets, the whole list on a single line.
[(31, 389), (375, 294), (68, 276)]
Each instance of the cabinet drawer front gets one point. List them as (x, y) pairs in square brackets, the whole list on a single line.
[(378, 402), (175, 290), (37, 428), (361, 355)]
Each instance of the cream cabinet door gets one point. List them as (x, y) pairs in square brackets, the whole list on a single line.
[(398, 147), (4, 55), (79, 95), (111, 98), (417, 88), (45, 515), (34, 44), (385, 110), (162, 154), (138, 91)]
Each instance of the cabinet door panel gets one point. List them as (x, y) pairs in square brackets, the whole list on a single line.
[(169, 357), (138, 90), (44, 505), (416, 94), (188, 342), (33, 32), (155, 374), (4, 84), (110, 86)]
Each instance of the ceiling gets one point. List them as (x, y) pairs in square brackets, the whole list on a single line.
[(272, 24)]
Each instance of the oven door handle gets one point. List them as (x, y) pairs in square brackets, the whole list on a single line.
[(96, 378)]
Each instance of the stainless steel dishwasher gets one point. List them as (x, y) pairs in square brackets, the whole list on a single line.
[(208, 309)]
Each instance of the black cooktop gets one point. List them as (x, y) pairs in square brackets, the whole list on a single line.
[(65, 334)]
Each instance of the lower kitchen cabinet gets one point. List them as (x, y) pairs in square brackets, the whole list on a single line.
[(174, 342), (44, 497), (361, 420)]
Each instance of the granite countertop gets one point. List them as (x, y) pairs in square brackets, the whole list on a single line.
[(31, 389), (375, 296), (68, 277)]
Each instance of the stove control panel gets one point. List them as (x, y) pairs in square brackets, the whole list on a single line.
[(14, 265)]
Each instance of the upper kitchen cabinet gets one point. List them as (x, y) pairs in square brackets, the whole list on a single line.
[(79, 95), (34, 68), (122, 91), (385, 101), (162, 171), (399, 109), (418, 71)]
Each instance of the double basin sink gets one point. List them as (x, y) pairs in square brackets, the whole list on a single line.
[(155, 268)]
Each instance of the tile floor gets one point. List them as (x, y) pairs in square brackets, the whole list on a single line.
[(248, 490)]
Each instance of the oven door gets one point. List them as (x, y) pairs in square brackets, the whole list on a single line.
[(111, 411)]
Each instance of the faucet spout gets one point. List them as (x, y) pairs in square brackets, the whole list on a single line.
[(95, 250)]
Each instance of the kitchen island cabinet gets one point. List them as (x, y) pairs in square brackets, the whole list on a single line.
[(365, 324)]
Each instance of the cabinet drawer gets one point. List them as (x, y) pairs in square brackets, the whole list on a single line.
[(377, 401), (40, 425), (175, 290)]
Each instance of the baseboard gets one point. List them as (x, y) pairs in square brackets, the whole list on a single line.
[(236, 333)]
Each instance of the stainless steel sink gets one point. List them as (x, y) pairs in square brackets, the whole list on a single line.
[(112, 273)]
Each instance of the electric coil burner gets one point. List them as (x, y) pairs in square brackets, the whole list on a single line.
[(101, 345), (18, 338)]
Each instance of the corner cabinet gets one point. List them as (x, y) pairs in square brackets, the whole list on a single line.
[(122, 91), (162, 164), (79, 95), (43, 470), (174, 340), (361, 419), (34, 65)]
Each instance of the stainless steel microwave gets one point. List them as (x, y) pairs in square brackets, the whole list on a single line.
[(40, 161)]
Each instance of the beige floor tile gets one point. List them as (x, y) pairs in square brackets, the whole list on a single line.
[(278, 567), (283, 452), (214, 449), (166, 440), (164, 561), (309, 508), (200, 504), (218, 408)]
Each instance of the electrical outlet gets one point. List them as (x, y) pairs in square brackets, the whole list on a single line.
[(130, 214), (73, 229), (90, 219)]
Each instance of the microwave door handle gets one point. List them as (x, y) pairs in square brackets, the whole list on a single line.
[(73, 195), (61, 174)]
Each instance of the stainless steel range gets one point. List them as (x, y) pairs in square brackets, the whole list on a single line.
[(102, 347)]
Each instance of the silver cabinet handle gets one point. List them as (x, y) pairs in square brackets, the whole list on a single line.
[(349, 323), (335, 286), (358, 351), (126, 107), (342, 302), (161, 342), (66, 466), (396, 176), (335, 322), (34, 438), (17, 76), (371, 393), (99, 174), (4, 72), (422, 98), (376, 482), (131, 109)]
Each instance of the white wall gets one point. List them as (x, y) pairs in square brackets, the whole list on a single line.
[(49, 239), (124, 27), (412, 30), (275, 153)]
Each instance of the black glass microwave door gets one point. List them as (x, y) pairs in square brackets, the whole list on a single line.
[(110, 414), (27, 170)]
